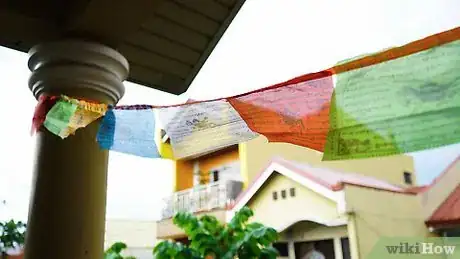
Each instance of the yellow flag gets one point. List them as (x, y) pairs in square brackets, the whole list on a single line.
[(85, 114)]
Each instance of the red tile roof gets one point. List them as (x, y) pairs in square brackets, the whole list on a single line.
[(449, 211), (418, 189), (335, 180)]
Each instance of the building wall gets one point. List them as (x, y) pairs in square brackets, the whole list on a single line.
[(183, 175), (256, 154), (376, 213), (140, 236), (185, 168), (211, 161), (305, 204)]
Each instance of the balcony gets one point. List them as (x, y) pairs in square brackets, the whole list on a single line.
[(202, 198)]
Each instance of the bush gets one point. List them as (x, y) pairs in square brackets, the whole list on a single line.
[(114, 252), (210, 239), (12, 235)]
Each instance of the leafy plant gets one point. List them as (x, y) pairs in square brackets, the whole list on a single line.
[(209, 239), (114, 251), (12, 235), (204, 177)]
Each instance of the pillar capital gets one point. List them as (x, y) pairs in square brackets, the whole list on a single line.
[(78, 69)]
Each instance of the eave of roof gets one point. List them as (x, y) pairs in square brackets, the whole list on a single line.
[(337, 187), (448, 213), (165, 41)]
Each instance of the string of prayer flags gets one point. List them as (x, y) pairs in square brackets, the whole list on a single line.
[(130, 131), (199, 128), (400, 100), (403, 105), (295, 112)]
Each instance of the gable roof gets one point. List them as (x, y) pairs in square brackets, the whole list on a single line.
[(336, 179), (325, 181), (449, 211), (444, 173)]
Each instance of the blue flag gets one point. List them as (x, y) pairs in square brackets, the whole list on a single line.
[(129, 131)]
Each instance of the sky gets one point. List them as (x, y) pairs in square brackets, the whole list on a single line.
[(269, 41)]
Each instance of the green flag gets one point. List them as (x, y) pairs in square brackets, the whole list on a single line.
[(403, 105), (59, 116)]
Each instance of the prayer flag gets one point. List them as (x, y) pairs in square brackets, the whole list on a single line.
[(198, 128), (86, 113), (45, 103), (402, 105), (57, 119), (295, 112), (130, 131)]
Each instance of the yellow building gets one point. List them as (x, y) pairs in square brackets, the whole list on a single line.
[(343, 207), (345, 214)]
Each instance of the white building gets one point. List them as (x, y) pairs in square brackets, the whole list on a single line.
[(140, 236)]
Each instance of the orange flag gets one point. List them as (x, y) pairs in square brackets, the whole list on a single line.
[(295, 112)]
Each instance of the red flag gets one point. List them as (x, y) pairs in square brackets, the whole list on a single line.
[(45, 103), (295, 112)]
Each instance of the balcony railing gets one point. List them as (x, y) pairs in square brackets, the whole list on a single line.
[(207, 197)]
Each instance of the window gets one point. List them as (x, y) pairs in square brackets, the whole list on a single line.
[(275, 196), (452, 233), (228, 172), (215, 176), (346, 254), (282, 249), (408, 178), (283, 194), (292, 192)]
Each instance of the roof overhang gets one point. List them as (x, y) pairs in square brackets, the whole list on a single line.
[(165, 41), (328, 223), (436, 225)]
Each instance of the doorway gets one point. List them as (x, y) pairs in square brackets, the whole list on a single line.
[(325, 247)]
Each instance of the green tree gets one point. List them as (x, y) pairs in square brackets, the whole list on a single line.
[(12, 235), (114, 251), (210, 239)]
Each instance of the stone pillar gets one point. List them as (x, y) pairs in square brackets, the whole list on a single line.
[(67, 206)]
